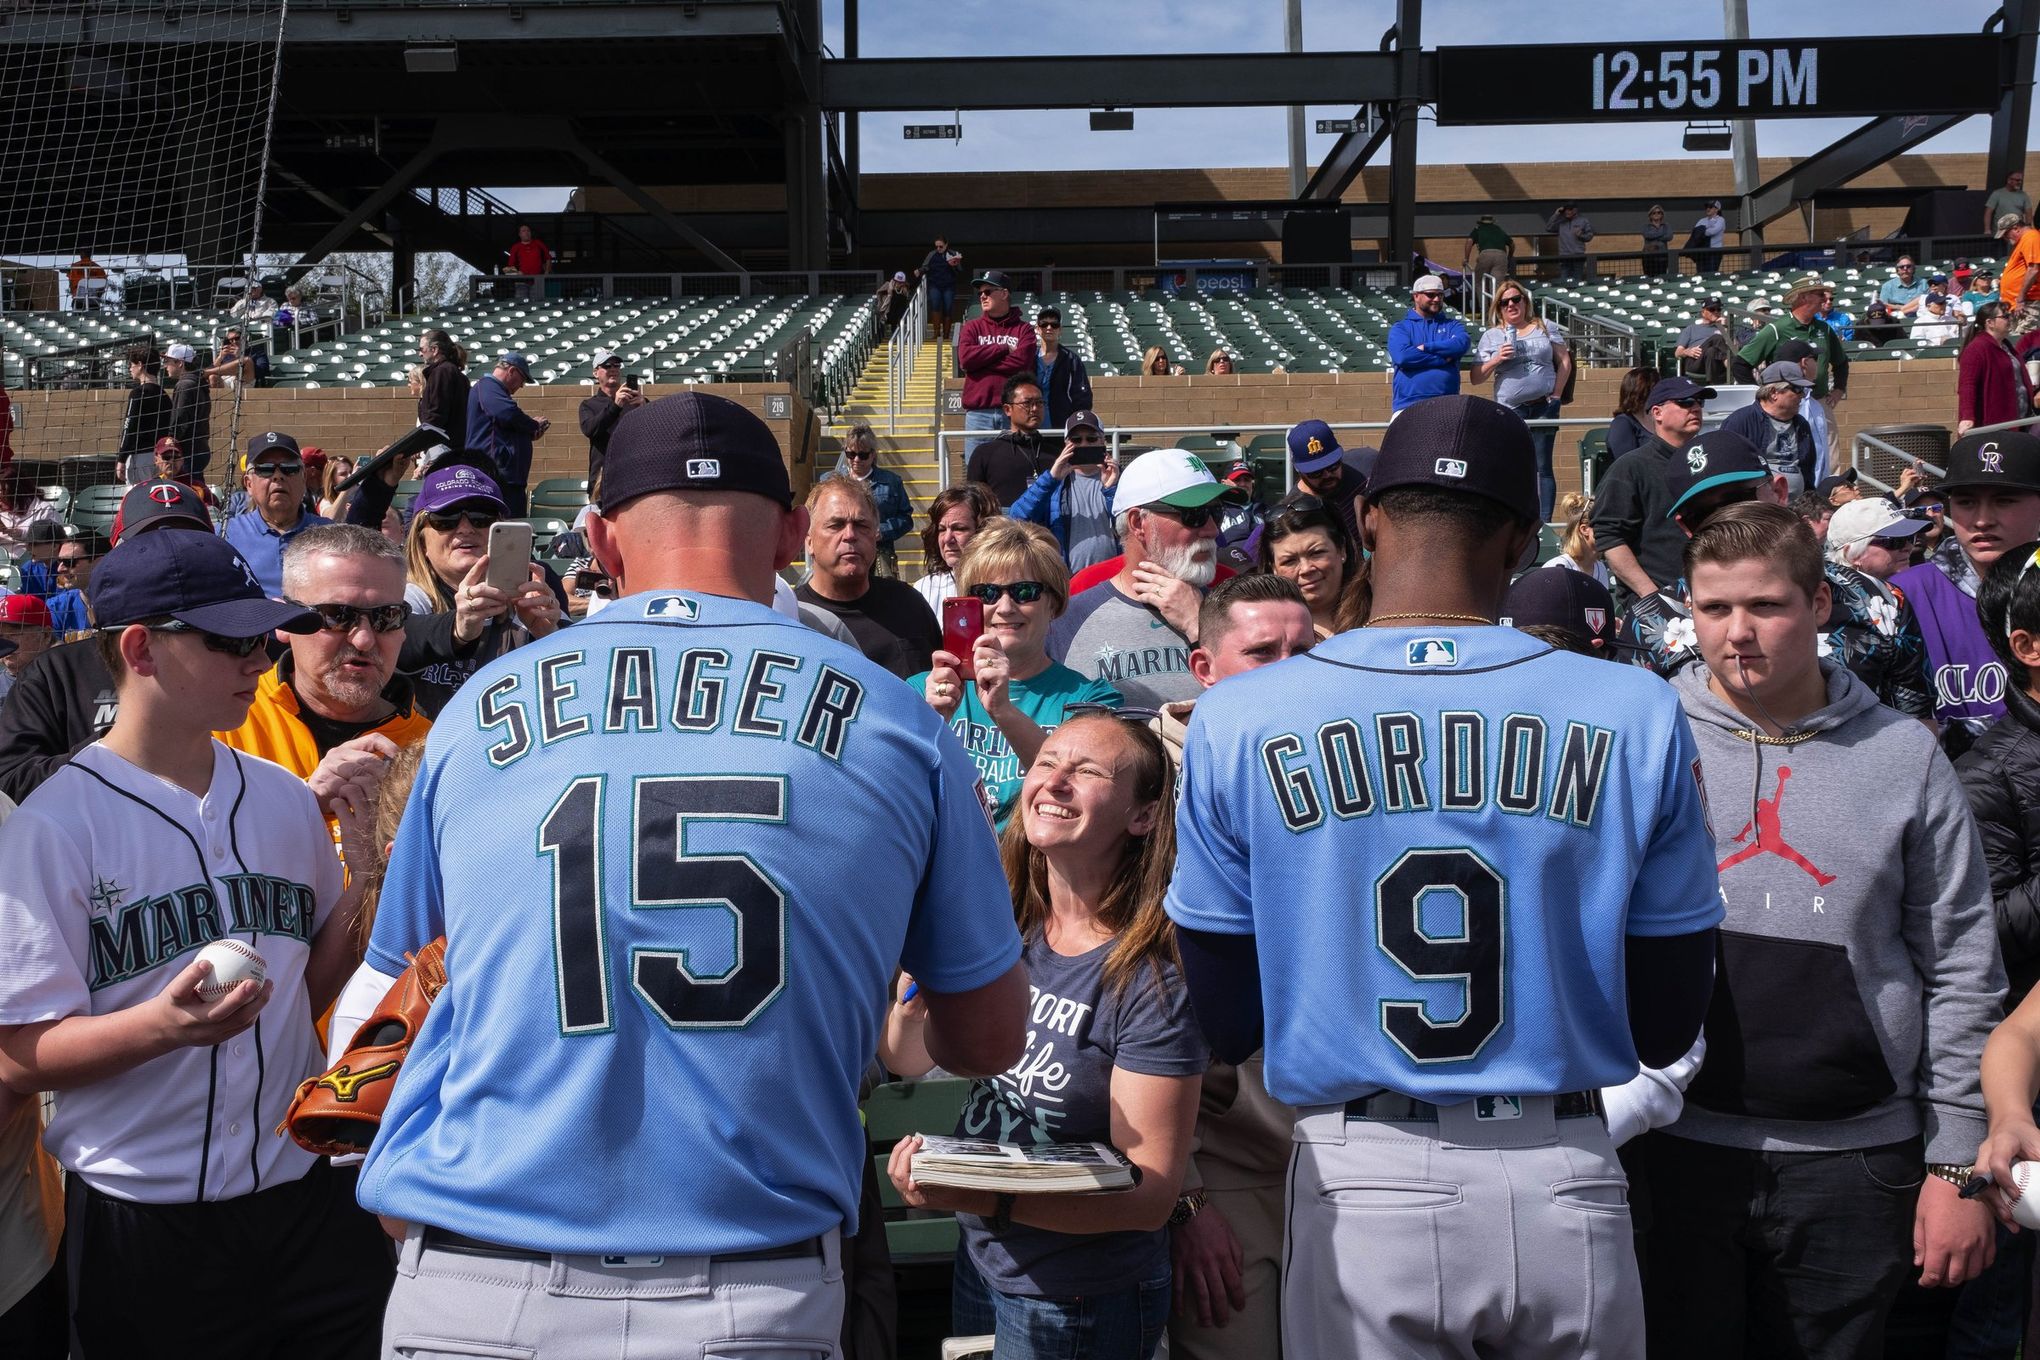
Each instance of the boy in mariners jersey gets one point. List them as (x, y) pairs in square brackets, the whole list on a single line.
[(191, 1227), (1818, 1158)]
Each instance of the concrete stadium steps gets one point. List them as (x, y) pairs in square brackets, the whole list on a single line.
[(909, 450)]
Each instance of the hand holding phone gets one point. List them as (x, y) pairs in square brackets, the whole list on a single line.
[(509, 555), (963, 623)]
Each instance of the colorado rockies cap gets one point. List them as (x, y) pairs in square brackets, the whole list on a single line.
[(1566, 599), (1460, 443), (1716, 459), (196, 579), (453, 484), (1312, 446), (691, 441), (2006, 458), (157, 504)]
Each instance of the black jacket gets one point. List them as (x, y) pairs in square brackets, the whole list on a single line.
[(191, 421), (1069, 387), (65, 700), (1010, 462), (599, 415), (147, 419), (2001, 775), (445, 401)]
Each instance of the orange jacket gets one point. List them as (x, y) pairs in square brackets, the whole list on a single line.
[(2020, 282), (275, 732)]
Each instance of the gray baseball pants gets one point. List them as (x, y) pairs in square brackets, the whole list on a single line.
[(448, 1304), (1493, 1230)]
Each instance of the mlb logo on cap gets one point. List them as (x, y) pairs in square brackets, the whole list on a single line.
[(704, 467), (1451, 467), (1432, 652)]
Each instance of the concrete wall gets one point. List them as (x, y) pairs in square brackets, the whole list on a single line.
[(357, 421)]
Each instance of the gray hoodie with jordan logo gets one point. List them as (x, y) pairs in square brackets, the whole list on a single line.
[(1858, 972)]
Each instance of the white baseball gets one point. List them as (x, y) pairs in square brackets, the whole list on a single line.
[(232, 963), (2026, 1208)]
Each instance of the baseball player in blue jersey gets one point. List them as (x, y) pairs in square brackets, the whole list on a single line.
[(1471, 877), (677, 851)]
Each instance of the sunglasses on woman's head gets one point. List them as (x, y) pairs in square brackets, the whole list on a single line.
[(1023, 592), (446, 521)]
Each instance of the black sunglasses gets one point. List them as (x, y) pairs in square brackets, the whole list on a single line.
[(1023, 592), (242, 647), (274, 470), (345, 618), (1689, 403), (1195, 517), (860, 453), (1895, 544), (446, 521)]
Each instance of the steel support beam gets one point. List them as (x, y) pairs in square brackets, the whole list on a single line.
[(1864, 149), (2015, 111), (1402, 165), (1231, 80), (1347, 158)]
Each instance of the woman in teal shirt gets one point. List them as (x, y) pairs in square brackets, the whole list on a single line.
[(1019, 695)]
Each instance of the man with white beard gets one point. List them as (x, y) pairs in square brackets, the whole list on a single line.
[(1136, 630)]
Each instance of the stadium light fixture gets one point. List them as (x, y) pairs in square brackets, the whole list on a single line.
[(1708, 137), (1111, 120), (431, 59)]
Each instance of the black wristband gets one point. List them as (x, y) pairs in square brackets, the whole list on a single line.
[(1002, 1215)]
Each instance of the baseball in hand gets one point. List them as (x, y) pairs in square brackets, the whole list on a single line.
[(232, 963), (2026, 1208)]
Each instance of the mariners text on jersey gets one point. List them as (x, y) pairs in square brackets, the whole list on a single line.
[(773, 694), (129, 939), (1369, 766)]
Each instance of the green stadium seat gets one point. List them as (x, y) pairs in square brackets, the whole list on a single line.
[(95, 506), (892, 1112), (1594, 454), (560, 497), (406, 492)]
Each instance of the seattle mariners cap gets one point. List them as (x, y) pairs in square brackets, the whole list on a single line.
[(515, 359), (1312, 446), (1176, 478), (1674, 389), (154, 505), (25, 611), (196, 579), (604, 358), (1717, 459), (269, 441), (691, 441), (1560, 598), (991, 278), (456, 484), (1784, 371), (1460, 443), (183, 354), (2009, 459), (1084, 420)]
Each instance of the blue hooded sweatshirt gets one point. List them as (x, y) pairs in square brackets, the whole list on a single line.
[(1432, 371)]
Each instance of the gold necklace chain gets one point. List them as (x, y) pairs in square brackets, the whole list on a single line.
[(1457, 618), (1766, 739)]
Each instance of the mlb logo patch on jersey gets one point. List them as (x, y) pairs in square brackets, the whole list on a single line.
[(1432, 652), (1497, 1107), (704, 469), (1450, 467), (673, 607)]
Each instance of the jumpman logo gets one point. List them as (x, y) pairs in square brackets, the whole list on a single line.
[(1771, 836)]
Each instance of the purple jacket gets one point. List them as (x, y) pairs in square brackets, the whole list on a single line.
[(1969, 680)]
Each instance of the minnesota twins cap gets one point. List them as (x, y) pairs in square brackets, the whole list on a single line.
[(154, 505), (196, 579), (1312, 446), (269, 441), (2006, 458), (691, 441), (1566, 599), (1716, 459), (1460, 443)]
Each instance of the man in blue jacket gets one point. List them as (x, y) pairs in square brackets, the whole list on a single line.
[(1426, 347), (500, 428), (1074, 496)]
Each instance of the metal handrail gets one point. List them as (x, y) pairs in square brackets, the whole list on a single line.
[(1113, 433), (902, 350), (1862, 441)]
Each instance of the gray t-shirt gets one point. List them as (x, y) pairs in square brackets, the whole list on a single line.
[(1091, 536), (1079, 1029), (1532, 374), (1108, 636), (1782, 452)]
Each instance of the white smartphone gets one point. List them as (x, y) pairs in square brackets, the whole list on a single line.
[(509, 554)]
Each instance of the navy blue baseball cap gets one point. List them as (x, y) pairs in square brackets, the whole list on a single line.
[(1717, 459), (691, 441), (1677, 389), (1566, 599), (1460, 443), (515, 359), (196, 579), (1312, 446)]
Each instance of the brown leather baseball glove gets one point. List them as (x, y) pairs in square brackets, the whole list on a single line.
[(338, 1113)]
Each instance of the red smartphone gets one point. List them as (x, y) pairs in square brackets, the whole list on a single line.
[(963, 623)]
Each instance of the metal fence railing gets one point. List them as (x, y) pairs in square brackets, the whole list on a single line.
[(1868, 451), (902, 351)]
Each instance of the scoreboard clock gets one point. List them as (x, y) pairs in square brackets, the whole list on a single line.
[(1718, 79)]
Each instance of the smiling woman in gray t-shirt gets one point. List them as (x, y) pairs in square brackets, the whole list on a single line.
[(1114, 1055)]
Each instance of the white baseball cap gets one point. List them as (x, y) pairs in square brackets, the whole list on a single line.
[(605, 357), (1862, 520), (183, 354), (1172, 477), (1428, 283)]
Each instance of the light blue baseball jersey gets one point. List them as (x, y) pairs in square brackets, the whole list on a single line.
[(1439, 840), (676, 851)]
